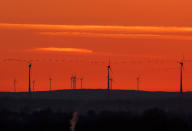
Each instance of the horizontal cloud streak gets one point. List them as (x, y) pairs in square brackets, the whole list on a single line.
[(143, 32), (113, 35), (100, 27), (53, 49)]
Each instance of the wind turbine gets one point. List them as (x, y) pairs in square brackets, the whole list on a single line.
[(81, 82), (15, 81), (33, 85), (181, 63), (138, 83), (108, 75), (111, 81), (30, 78), (181, 77), (50, 88), (73, 82)]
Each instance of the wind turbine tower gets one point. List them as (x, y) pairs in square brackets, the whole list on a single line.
[(138, 83), (33, 85), (29, 79), (50, 88), (73, 82), (181, 78), (111, 81), (81, 83), (14, 82), (108, 76)]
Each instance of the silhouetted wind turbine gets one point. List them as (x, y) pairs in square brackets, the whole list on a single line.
[(33, 85), (50, 88), (81, 83), (111, 81), (138, 83), (29, 78), (15, 85), (181, 78), (73, 82), (108, 75)]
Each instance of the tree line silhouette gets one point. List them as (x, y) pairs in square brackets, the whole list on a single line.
[(47, 119)]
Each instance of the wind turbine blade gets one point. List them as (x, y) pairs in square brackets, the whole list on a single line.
[(111, 70)]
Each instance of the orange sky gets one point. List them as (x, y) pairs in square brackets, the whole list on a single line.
[(62, 38)]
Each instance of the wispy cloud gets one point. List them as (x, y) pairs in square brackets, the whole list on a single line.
[(148, 32), (119, 35), (53, 49), (108, 35), (100, 27)]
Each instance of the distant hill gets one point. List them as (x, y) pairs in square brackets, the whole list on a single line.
[(83, 100)]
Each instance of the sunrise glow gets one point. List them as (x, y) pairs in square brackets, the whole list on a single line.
[(64, 38)]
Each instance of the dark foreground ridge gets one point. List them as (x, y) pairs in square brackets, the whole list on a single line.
[(97, 100), (47, 119), (96, 109)]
